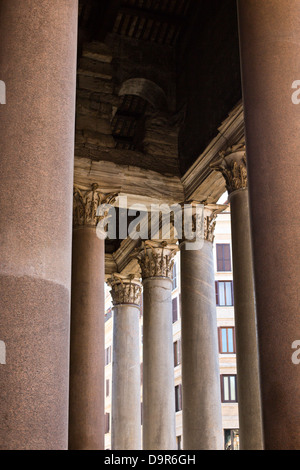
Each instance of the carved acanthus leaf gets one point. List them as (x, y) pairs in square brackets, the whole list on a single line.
[(156, 259), (86, 204), (233, 166), (209, 227), (125, 289)]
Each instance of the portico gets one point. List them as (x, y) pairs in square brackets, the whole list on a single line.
[(103, 100)]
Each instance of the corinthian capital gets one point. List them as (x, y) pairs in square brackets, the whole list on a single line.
[(85, 205), (204, 223), (125, 289), (156, 259), (233, 166)]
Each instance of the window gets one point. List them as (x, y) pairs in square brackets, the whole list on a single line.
[(107, 423), (178, 441), (223, 257), (108, 355), (224, 293), (228, 389), (175, 309), (177, 353), (231, 439), (226, 340), (174, 285), (178, 398), (107, 388)]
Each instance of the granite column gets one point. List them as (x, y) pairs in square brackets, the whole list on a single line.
[(86, 420), (126, 367), (156, 261), (233, 166), (270, 49), (38, 47), (201, 397)]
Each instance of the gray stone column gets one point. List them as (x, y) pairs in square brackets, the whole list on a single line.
[(233, 167), (38, 46), (86, 415), (270, 49), (126, 376), (159, 430), (201, 405)]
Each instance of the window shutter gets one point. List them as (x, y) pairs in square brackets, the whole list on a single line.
[(180, 306), (223, 257), (174, 309), (180, 397), (219, 257), (227, 259), (106, 423), (217, 292), (220, 339), (175, 353)]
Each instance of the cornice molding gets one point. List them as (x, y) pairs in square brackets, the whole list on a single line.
[(131, 180), (200, 181)]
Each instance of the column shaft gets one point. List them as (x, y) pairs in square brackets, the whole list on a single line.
[(38, 44), (126, 380), (250, 420), (86, 420), (270, 49), (202, 418), (159, 431)]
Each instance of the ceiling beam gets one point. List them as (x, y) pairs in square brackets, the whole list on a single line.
[(158, 16)]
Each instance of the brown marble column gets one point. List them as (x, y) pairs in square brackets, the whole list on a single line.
[(232, 165), (126, 368), (270, 49), (86, 420), (38, 44), (201, 397), (159, 431)]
